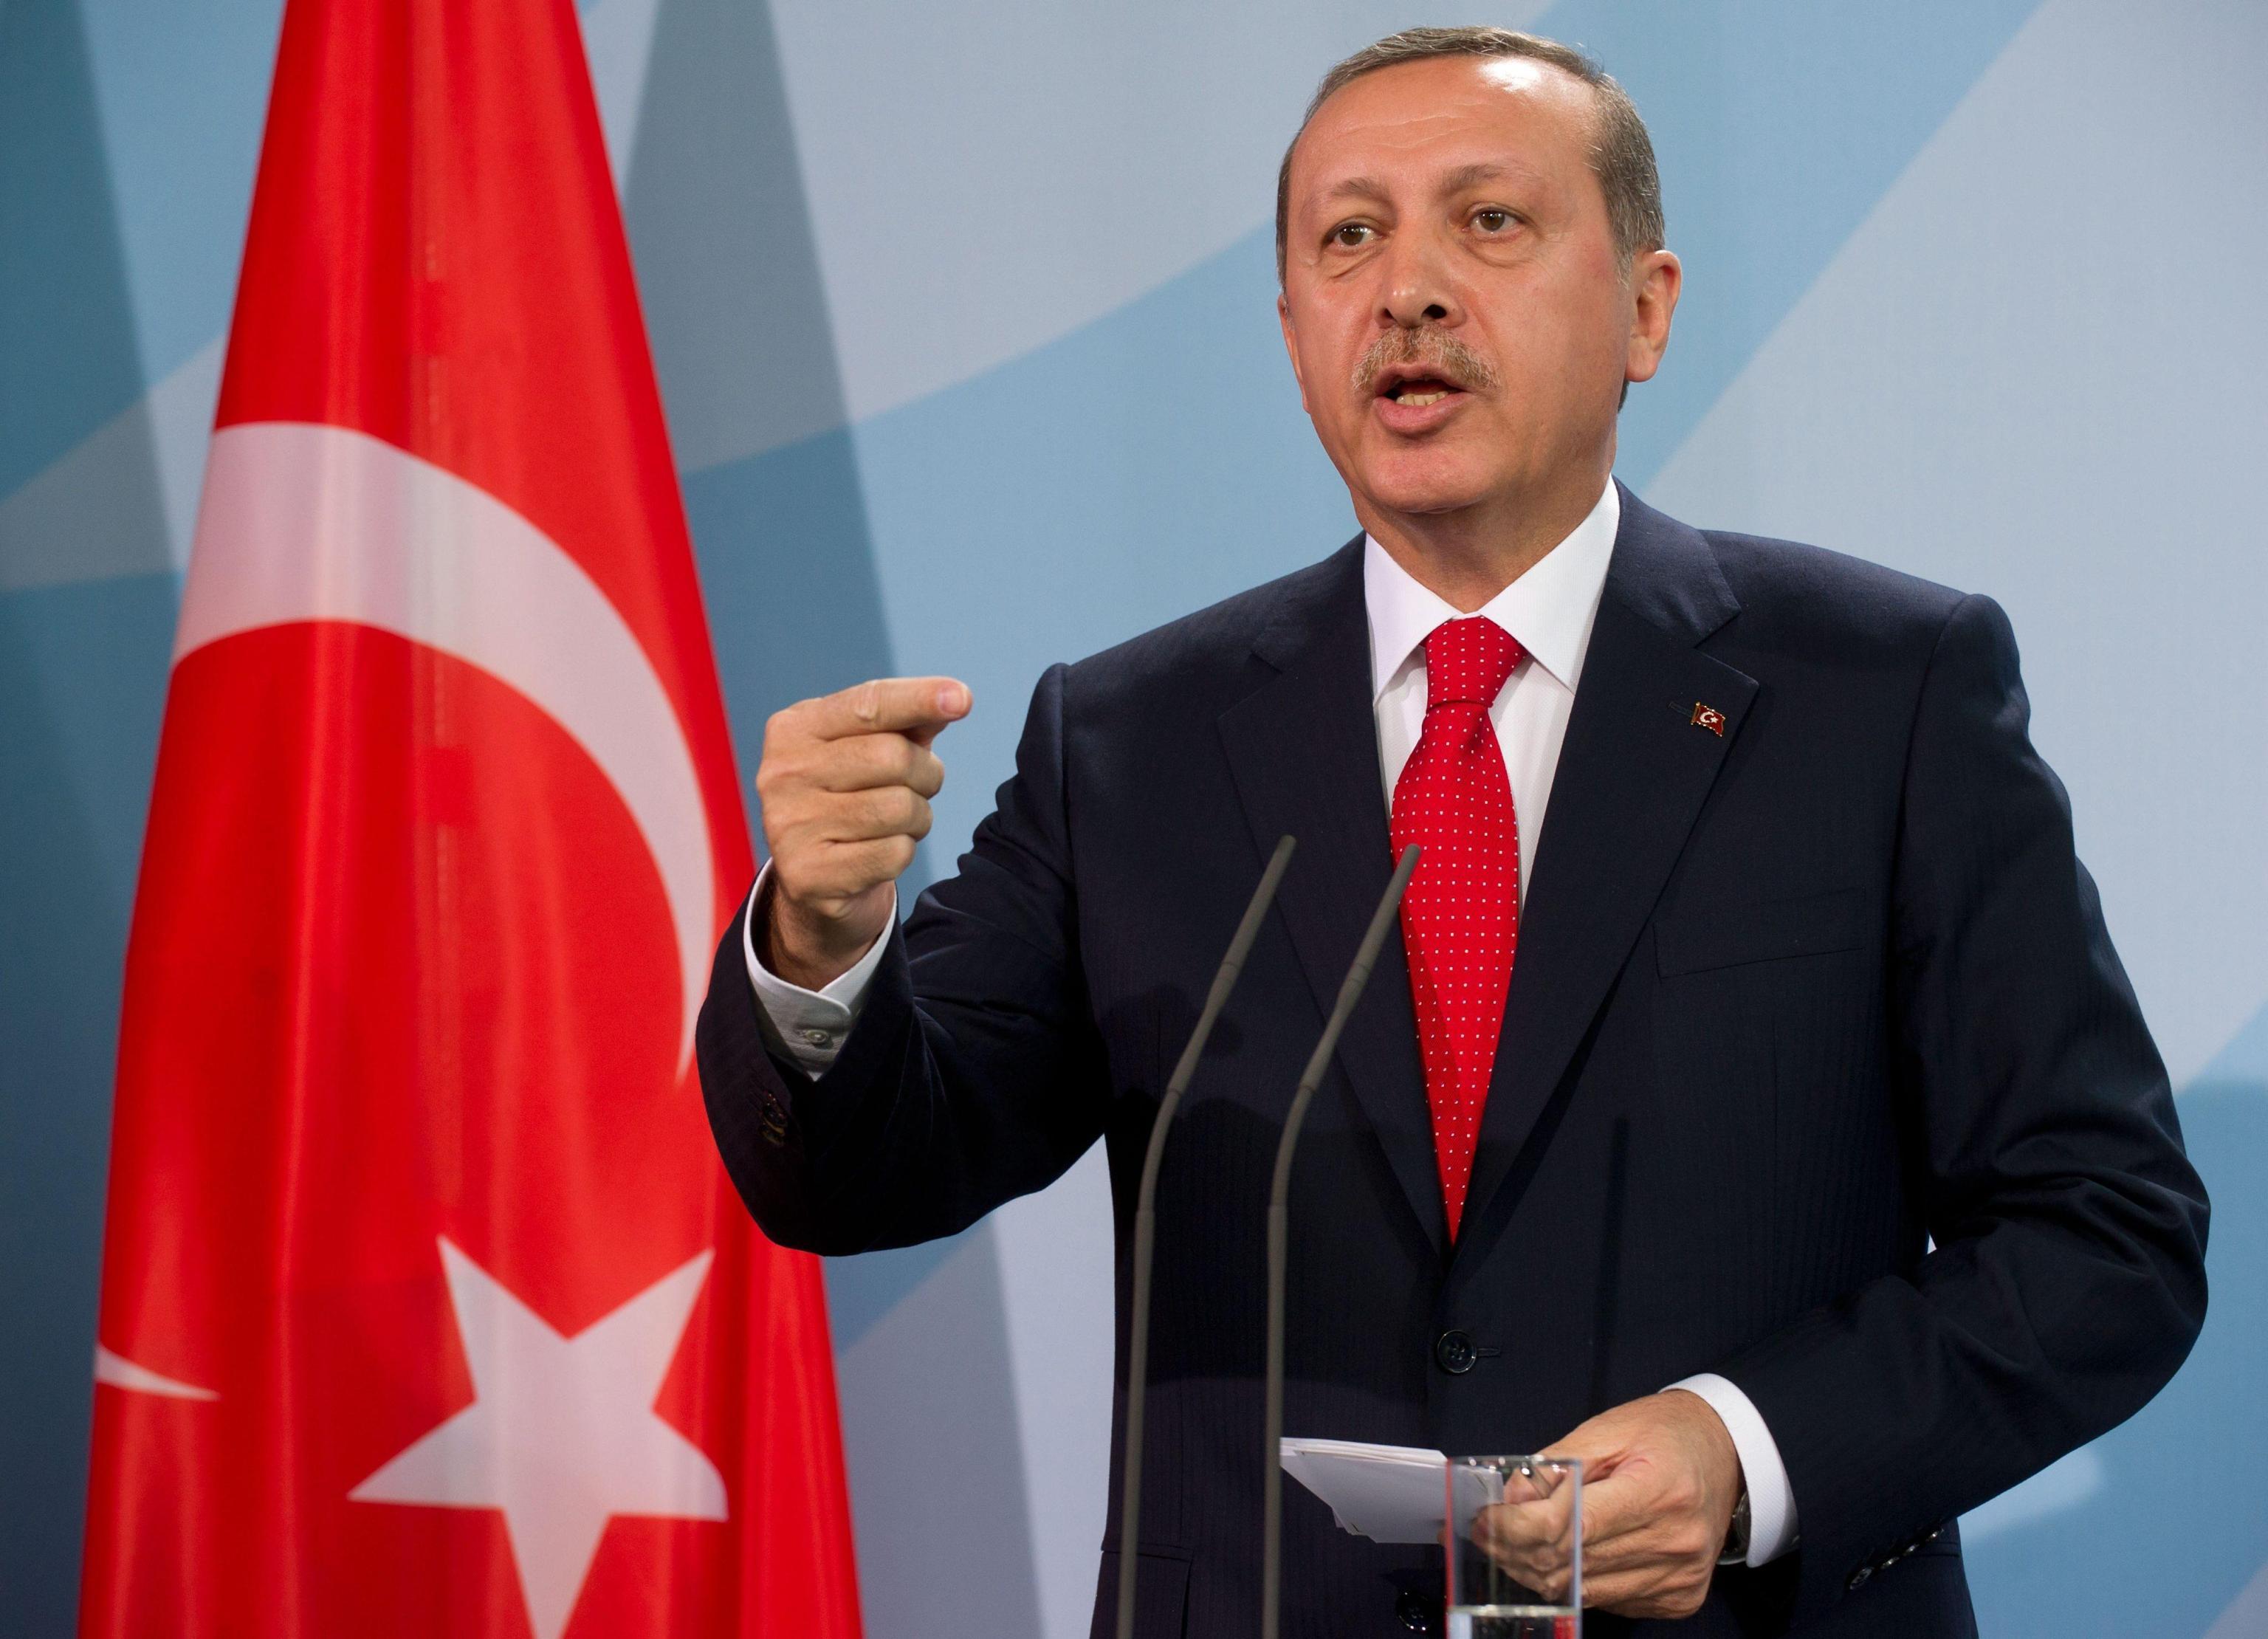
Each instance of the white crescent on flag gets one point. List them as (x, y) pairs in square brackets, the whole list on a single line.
[(302, 521)]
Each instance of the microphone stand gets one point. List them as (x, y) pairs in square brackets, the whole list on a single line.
[(1146, 1222), (1271, 1535)]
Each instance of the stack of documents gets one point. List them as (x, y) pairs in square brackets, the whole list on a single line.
[(1387, 1493)]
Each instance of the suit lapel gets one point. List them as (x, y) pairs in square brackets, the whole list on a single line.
[(1304, 750), (1633, 773)]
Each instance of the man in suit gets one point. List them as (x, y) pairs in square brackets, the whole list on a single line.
[(1776, 1130)]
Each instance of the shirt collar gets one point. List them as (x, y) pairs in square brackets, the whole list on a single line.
[(1549, 611)]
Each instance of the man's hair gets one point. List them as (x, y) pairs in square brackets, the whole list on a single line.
[(1622, 154)]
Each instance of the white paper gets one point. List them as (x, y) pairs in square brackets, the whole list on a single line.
[(1387, 1493)]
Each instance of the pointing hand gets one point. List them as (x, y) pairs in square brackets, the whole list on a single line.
[(845, 783)]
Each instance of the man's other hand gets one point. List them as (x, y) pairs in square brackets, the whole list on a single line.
[(845, 783), (1661, 1476)]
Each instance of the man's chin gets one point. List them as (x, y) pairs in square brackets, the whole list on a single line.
[(1420, 477), (1423, 495)]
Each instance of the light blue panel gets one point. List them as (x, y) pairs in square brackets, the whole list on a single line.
[(129, 135), (1156, 461), (183, 95), (719, 219), (67, 358), (794, 607), (82, 685), (1776, 124), (987, 178), (935, 1459), (2246, 1058)]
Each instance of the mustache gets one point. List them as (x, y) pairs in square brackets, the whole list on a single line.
[(1437, 350)]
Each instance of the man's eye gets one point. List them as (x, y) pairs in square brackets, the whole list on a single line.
[(1349, 235), (1493, 221)]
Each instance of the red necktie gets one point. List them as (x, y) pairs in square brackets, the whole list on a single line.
[(1460, 918)]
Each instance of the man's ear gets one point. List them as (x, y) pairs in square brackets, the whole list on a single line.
[(1656, 279), (1292, 347)]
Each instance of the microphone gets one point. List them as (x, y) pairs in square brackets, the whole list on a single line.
[(1145, 1222), (1271, 1535)]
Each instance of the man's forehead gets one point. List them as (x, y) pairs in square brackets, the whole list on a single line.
[(1447, 116)]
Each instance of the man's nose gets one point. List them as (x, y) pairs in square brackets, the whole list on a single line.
[(1418, 292)]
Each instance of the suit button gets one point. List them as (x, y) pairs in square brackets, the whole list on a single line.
[(1453, 1353), (1417, 1616), (1859, 1578)]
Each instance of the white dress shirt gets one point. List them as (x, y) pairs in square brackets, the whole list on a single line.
[(1548, 612)]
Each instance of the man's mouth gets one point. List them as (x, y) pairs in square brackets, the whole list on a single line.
[(1417, 384), (1433, 376), (1421, 391)]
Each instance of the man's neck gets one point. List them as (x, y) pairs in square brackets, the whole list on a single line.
[(1467, 557)]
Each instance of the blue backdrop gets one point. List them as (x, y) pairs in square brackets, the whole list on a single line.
[(962, 315)]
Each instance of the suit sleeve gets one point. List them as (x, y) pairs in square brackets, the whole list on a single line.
[(974, 1073), (2068, 1279)]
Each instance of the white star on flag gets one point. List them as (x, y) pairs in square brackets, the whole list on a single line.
[(562, 1434)]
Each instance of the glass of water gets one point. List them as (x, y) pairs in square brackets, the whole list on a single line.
[(1515, 1547)]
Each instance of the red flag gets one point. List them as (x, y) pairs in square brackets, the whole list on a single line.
[(426, 1307)]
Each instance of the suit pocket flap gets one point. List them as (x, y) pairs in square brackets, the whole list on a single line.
[(1725, 936)]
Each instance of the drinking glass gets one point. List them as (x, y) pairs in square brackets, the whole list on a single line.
[(1515, 1547)]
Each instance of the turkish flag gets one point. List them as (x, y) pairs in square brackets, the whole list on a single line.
[(426, 1306)]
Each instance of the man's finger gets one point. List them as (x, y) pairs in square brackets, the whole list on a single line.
[(884, 810), (1518, 1523), (841, 869), (867, 760), (916, 707), (1615, 1507)]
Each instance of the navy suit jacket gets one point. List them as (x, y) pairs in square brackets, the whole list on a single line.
[(1791, 1001)]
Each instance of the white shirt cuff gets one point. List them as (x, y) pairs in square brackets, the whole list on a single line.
[(1771, 1501), (809, 1026)]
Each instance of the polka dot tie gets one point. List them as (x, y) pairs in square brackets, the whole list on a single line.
[(1460, 918)]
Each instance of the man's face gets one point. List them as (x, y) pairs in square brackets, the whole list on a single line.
[(1457, 312)]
